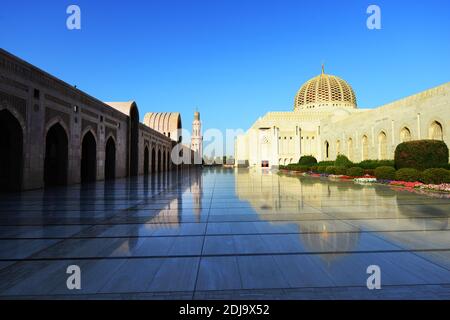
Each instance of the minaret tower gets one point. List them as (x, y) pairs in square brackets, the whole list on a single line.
[(197, 138)]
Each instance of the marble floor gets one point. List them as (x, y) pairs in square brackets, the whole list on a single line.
[(224, 234)]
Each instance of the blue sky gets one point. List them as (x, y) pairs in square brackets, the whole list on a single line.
[(233, 59)]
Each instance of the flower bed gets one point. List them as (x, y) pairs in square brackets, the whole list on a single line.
[(444, 187), (367, 179), (406, 184), (418, 187)]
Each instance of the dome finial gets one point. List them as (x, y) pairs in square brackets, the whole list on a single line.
[(323, 68)]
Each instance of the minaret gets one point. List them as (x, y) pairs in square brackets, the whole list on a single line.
[(197, 138)]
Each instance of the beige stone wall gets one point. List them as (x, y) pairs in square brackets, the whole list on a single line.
[(38, 101), (357, 133), (380, 129)]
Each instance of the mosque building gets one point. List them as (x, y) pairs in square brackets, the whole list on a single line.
[(326, 122)]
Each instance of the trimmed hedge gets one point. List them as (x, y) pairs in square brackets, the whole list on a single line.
[(297, 167), (307, 161), (355, 172), (330, 170), (342, 161), (385, 173), (408, 174), (325, 163), (340, 170), (322, 169), (435, 176), (373, 164), (421, 154)]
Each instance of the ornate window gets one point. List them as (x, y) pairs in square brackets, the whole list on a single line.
[(405, 135), (365, 148), (435, 131), (382, 146)]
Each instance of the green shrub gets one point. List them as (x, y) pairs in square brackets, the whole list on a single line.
[(342, 161), (325, 163), (307, 161), (297, 167), (370, 172), (408, 174), (421, 154), (341, 170), (355, 172), (435, 176), (331, 170), (314, 168), (322, 169), (385, 173), (373, 164)]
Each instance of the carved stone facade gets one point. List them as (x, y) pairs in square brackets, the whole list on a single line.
[(52, 133), (324, 124)]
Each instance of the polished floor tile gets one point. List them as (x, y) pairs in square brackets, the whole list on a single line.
[(224, 234)]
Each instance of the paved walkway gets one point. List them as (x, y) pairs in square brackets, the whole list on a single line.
[(246, 234)]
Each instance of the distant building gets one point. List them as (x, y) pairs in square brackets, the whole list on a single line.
[(326, 122), (197, 138)]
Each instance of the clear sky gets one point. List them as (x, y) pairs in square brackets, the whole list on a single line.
[(233, 59)]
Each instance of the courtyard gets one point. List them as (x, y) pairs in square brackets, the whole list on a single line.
[(224, 234)]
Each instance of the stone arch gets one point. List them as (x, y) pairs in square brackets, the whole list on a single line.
[(5, 106), (436, 131), (110, 158), (350, 149), (327, 150), (146, 160), (11, 152), (56, 154), (405, 134), (131, 110), (365, 147), (168, 159), (164, 160), (153, 161), (382, 146), (338, 147), (88, 157), (159, 160)]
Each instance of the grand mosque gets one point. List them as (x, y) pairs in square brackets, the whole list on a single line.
[(326, 122)]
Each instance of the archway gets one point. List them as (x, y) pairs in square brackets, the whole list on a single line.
[(110, 159), (88, 158), (134, 140), (338, 147), (405, 135), (168, 160), (350, 149), (56, 156), (327, 150), (146, 160), (153, 161), (159, 160), (365, 148), (11, 152), (382, 146), (164, 161), (436, 132)]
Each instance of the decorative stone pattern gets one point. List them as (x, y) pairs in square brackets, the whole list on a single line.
[(323, 127), (36, 98)]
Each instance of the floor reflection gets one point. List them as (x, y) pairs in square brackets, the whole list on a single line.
[(221, 232)]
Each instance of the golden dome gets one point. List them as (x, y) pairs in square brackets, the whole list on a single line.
[(325, 90)]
